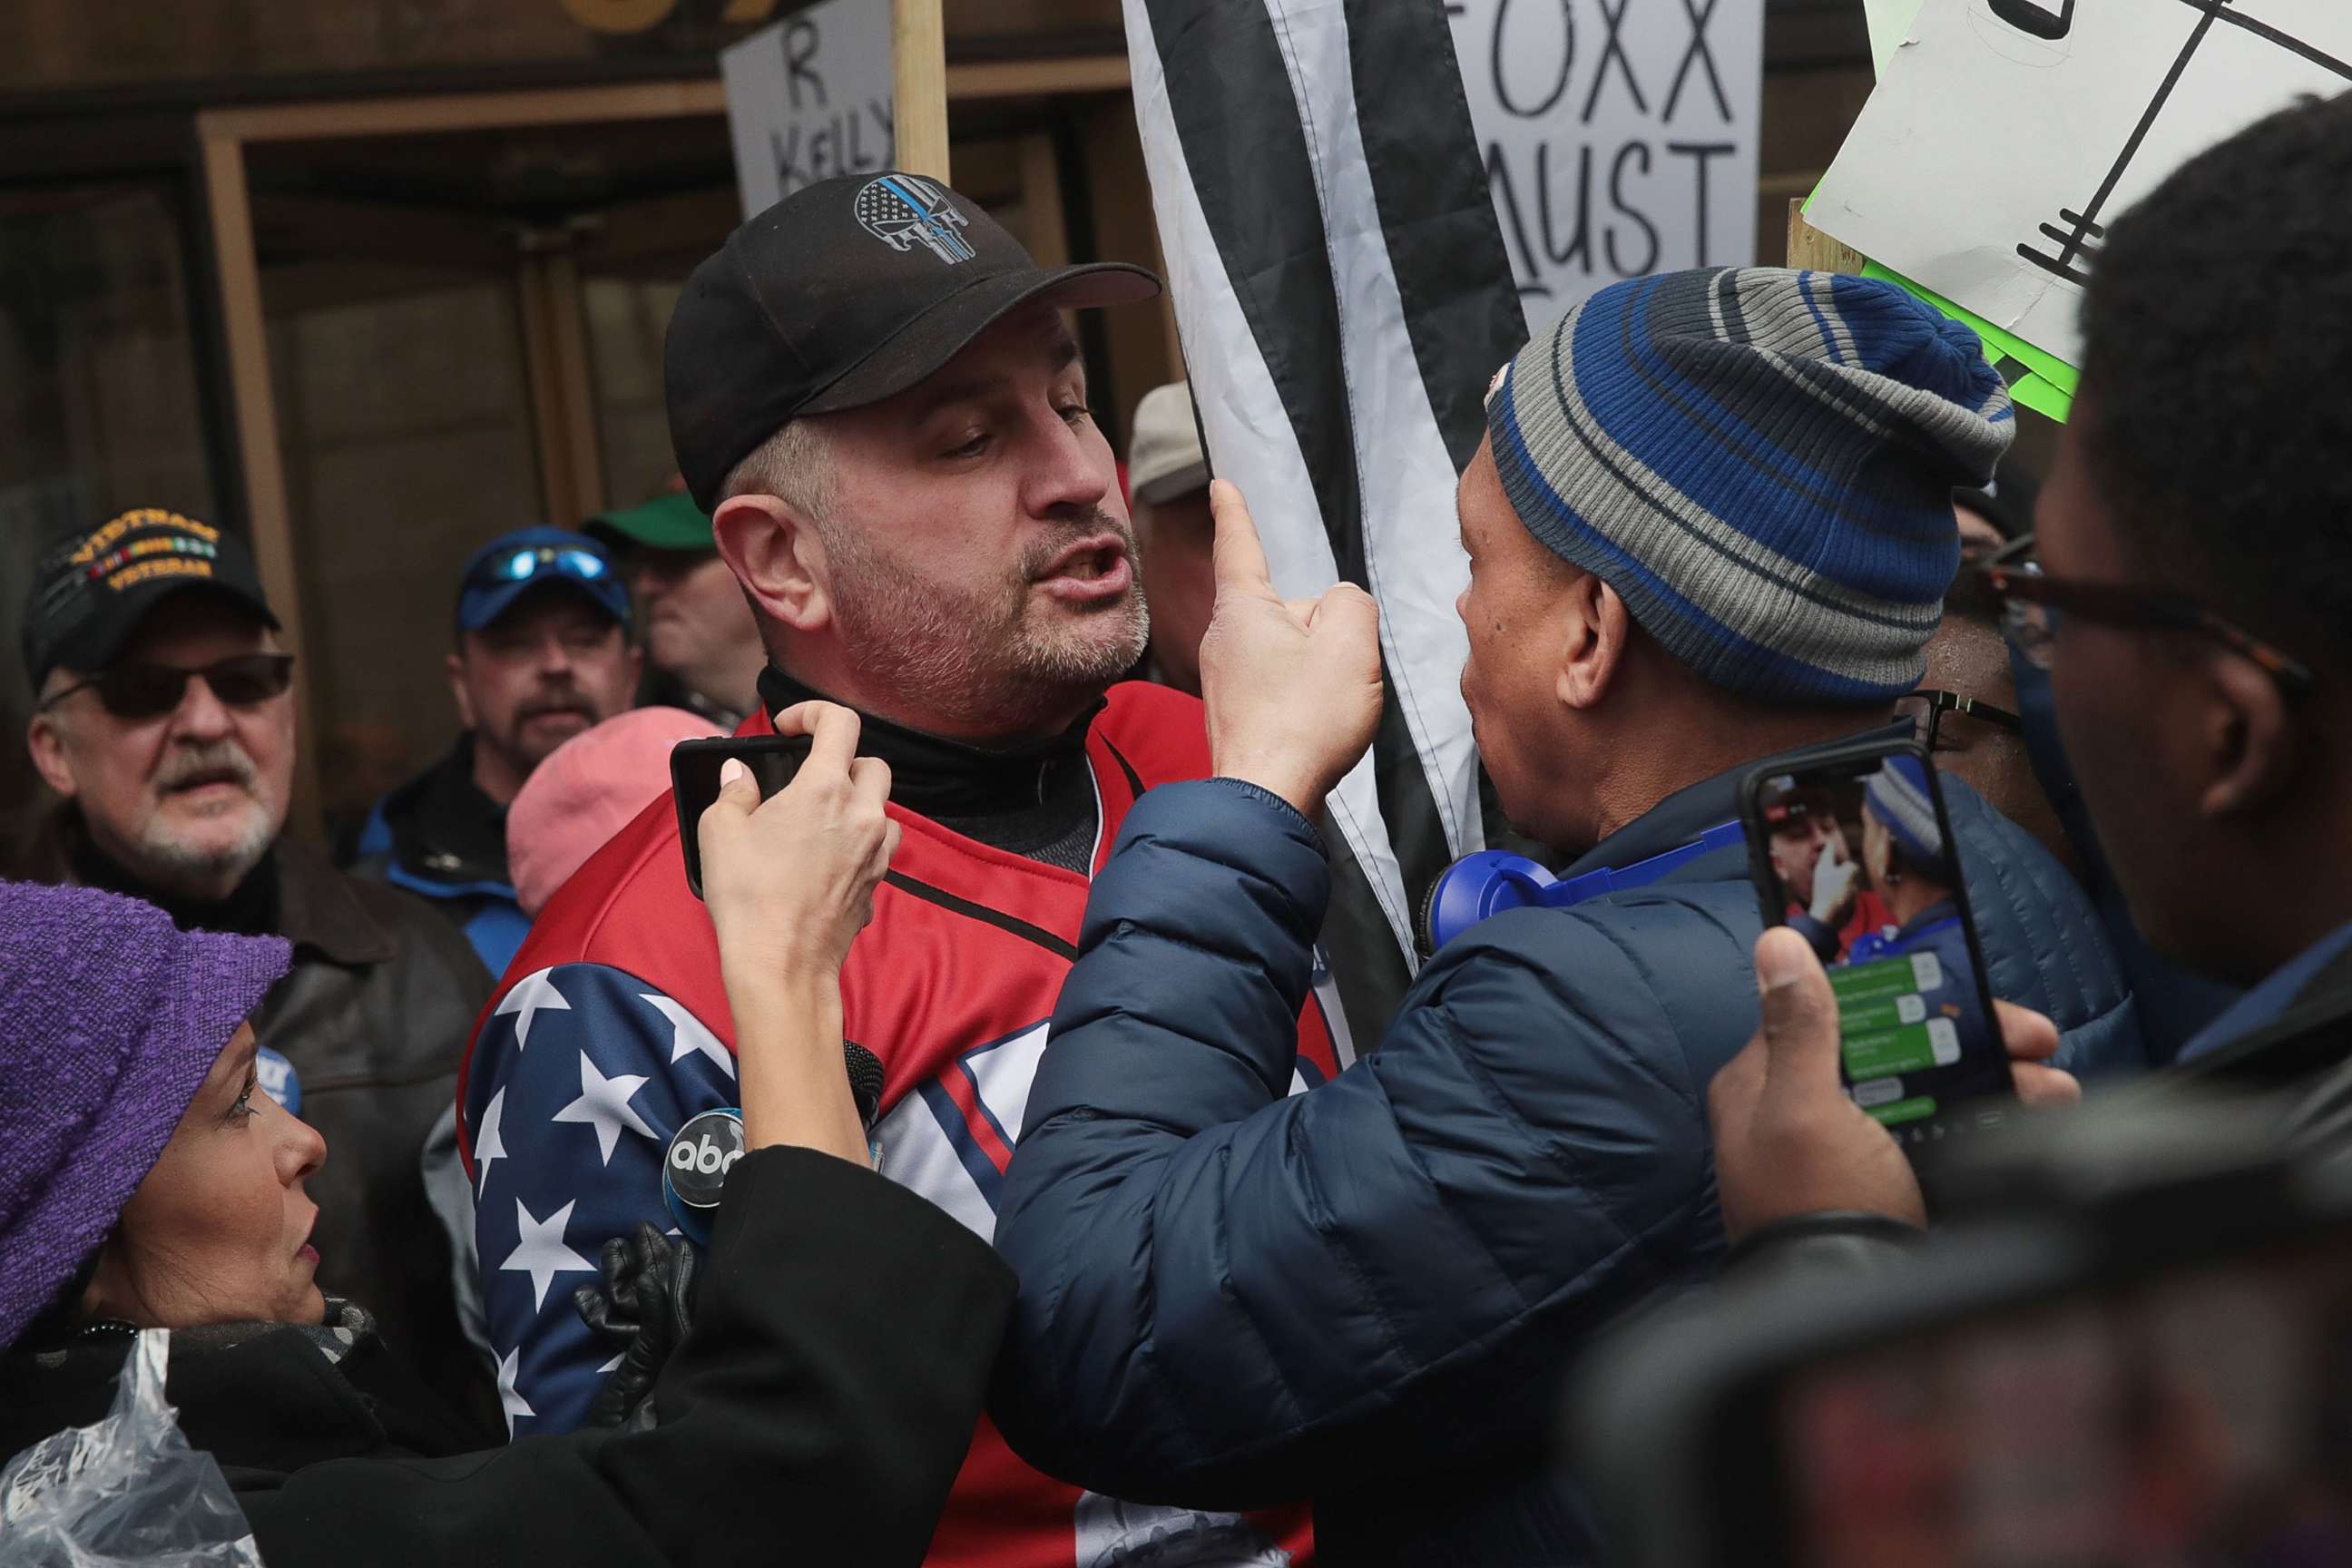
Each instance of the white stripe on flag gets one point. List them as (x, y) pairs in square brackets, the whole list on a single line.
[(1413, 552), (1249, 434)]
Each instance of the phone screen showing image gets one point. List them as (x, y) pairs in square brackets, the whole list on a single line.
[(1854, 854)]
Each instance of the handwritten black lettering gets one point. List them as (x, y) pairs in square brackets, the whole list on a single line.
[(1498, 47), (785, 149), (800, 43), (1617, 200), (1613, 48), (1699, 153), (1577, 250), (1515, 223), (851, 142), (1698, 50)]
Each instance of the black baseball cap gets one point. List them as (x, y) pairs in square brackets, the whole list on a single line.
[(846, 292), (92, 590)]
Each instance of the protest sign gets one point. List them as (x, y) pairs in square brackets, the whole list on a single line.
[(1889, 22), (2006, 134), (1619, 139), (808, 99)]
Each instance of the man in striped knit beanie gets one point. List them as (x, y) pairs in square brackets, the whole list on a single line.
[(1712, 520), (1718, 507)]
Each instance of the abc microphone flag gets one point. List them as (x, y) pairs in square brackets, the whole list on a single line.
[(695, 1166)]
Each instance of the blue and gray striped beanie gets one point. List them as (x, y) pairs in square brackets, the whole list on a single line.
[(1896, 794), (1761, 463)]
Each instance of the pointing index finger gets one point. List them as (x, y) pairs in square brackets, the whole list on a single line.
[(1240, 558)]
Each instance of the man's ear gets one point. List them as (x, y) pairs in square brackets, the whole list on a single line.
[(2250, 739), (457, 692), (776, 554), (1596, 629), (44, 739)]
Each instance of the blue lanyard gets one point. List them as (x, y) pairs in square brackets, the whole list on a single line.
[(1641, 873)]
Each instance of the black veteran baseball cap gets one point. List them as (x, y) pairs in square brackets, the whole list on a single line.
[(92, 590), (846, 292)]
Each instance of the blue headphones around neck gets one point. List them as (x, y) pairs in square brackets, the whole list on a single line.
[(1493, 880)]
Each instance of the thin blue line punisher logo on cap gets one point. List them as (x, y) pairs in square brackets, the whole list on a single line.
[(900, 210)]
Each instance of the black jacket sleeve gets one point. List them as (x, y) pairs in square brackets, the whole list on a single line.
[(818, 1413)]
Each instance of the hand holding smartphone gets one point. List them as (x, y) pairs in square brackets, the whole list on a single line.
[(787, 855), (1853, 848), (693, 767)]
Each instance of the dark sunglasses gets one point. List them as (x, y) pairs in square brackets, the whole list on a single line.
[(2031, 601), (1933, 705), (152, 690)]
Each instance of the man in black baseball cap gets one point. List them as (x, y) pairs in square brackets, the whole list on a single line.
[(165, 723), (842, 296), (203, 814), (873, 396)]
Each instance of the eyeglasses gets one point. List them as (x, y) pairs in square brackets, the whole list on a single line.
[(2031, 601), (152, 690), (522, 566), (1933, 705)]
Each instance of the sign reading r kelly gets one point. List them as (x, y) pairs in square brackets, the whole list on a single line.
[(809, 98)]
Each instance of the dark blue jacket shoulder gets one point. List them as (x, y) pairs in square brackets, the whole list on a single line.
[(1369, 1294)]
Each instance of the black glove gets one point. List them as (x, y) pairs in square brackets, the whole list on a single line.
[(644, 1306)]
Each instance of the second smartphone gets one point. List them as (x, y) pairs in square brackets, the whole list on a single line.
[(1852, 847)]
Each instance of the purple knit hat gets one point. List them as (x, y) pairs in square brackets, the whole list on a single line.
[(110, 1018)]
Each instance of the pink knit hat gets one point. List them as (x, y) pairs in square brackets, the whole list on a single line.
[(588, 789)]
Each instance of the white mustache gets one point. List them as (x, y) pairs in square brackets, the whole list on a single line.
[(213, 757)]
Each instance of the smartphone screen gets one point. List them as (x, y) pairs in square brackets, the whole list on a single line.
[(694, 778), (1853, 850)]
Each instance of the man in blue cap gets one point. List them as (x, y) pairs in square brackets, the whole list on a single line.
[(542, 653)]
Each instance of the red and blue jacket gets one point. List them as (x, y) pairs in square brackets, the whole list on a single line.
[(611, 1029)]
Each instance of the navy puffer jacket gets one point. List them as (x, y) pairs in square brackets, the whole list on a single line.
[(1369, 1294)]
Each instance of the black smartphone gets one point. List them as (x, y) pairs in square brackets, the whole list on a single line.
[(1851, 845), (694, 779)]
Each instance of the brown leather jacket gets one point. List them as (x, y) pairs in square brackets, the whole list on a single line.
[(375, 1016)]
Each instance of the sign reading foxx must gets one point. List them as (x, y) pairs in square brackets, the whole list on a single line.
[(1620, 135)]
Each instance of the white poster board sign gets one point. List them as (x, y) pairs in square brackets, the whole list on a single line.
[(1889, 22), (1620, 138), (2005, 134), (808, 99)]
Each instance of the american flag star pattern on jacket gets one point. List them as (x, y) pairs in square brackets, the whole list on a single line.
[(612, 1030)]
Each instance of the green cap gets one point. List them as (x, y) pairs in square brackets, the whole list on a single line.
[(665, 522)]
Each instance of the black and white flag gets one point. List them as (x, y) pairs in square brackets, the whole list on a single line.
[(1343, 295)]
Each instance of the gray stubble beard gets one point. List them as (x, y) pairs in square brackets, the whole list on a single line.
[(961, 655)]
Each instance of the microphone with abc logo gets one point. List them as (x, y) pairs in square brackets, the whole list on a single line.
[(694, 1170)]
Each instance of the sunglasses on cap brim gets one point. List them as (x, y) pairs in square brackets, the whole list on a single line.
[(523, 564)]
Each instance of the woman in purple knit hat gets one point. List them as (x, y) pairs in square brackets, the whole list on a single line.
[(843, 1330)]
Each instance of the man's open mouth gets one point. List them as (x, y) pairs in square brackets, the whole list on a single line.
[(1092, 569)]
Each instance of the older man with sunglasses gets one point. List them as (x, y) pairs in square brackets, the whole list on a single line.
[(164, 721)]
